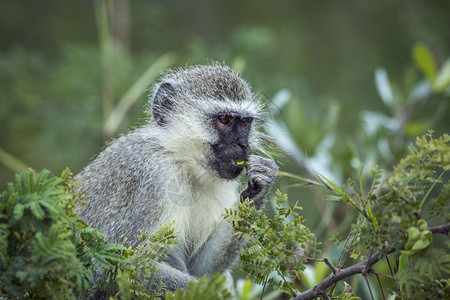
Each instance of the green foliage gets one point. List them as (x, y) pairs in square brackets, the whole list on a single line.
[(425, 61), (35, 232), (45, 247), (204, 288), (272, 246), (420, 275), (418, 238), (391, 216), (394, 216), (417, 180), (58, 73), (138, 278)]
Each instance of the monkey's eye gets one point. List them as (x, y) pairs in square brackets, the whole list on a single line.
[(245, 122), (225, 119)]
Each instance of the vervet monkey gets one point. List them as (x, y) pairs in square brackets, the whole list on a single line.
[(182, 166)]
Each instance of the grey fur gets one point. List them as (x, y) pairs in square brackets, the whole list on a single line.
[(160, 172)]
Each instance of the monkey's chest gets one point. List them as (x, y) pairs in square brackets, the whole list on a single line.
[(198, 213), (196, 226)]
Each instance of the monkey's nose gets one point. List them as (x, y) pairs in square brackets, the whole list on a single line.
[(243, 144), (246, 148)]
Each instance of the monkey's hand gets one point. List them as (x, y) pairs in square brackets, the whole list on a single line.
[(261, 176)]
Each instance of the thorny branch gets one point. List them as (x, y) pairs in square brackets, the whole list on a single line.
[(359, 268)]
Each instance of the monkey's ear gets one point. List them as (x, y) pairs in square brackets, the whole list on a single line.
[(163, 102)]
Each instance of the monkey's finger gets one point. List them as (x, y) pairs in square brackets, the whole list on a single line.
[(255, 160)]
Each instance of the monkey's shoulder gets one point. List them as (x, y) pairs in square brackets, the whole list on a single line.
[(125, 170), (134, 152)]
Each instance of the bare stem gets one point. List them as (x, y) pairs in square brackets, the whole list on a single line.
[(368, 285), (332, 267), (264, 287), (380, 285)]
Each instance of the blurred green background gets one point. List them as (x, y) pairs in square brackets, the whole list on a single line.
[(348, 84)]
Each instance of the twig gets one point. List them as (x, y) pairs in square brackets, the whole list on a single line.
[(389, 265), (365, 272), (332, 267), (367, 267), (384, 275), (345, 260), (359, 268), (264, 287), (381, 286), (368, 285), (324, 295), (281, 275), (343, 248), (444, 229), (332, 278), (390, 269), (340, 256), (348, 255)]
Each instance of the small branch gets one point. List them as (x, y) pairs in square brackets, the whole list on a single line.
[(368, 286), (384, 275), (359, 268), (332, 267), (281, 275), (443, 229), (264, 287), (389, 265), (380, 285), (324, 295), (341, 274)]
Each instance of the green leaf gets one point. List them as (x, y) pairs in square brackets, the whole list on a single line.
[(36, 210), (422, 243), (430, 189), (18, 211), (416, 127), (331, 184), (246, 289), (384, 87), (425, 61), (443, 78), (372, 218), (413, 236)]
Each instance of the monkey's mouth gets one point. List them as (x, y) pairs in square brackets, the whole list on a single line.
[(237, 164), (240, 162), (231, 170), (226, 168), (228, 161)]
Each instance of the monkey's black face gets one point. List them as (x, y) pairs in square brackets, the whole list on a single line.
[(232, 145)]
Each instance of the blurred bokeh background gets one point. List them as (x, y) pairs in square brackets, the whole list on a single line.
[(348, 84)]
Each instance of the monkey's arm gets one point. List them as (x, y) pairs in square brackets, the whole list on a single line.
[(218, 254), (173, 278), (221, 250)]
